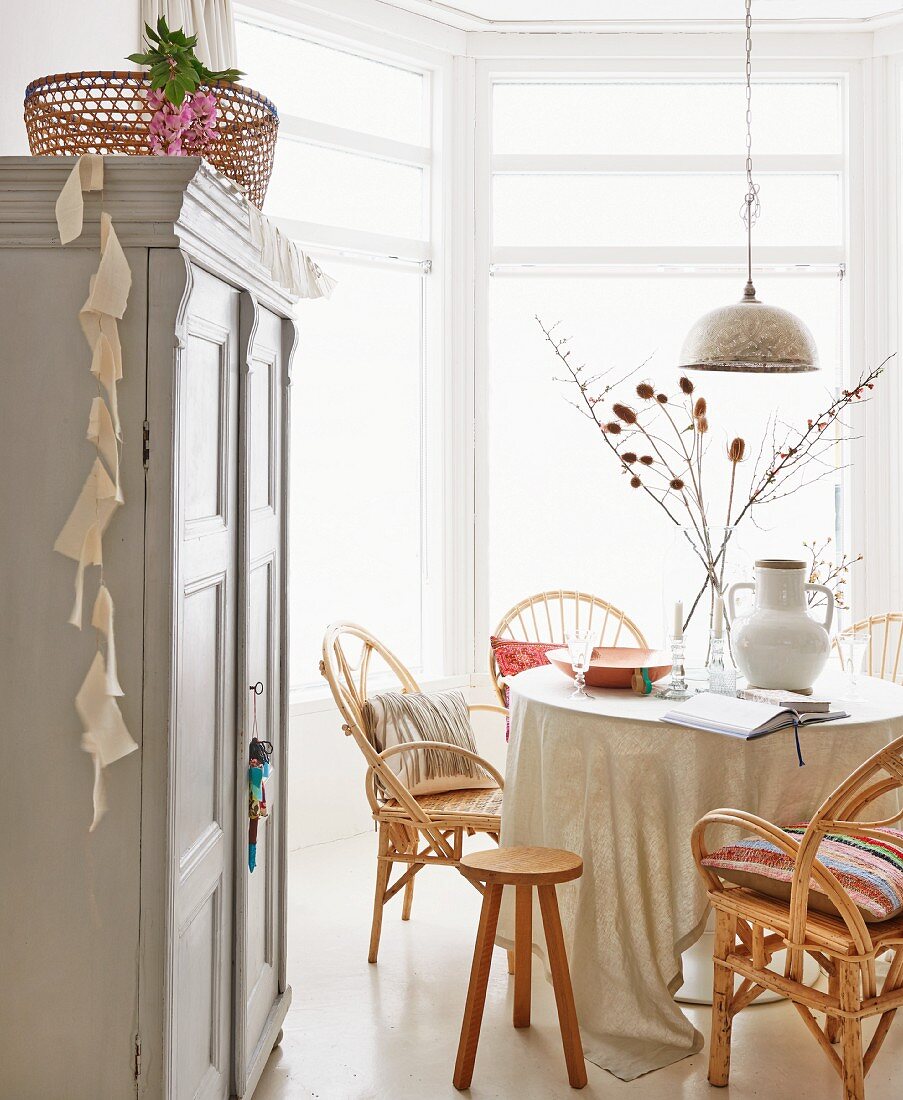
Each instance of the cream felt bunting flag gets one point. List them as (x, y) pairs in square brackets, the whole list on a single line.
[(105, 735)]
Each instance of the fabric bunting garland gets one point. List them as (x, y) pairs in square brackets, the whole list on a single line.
[(285, 261), (105, 734)]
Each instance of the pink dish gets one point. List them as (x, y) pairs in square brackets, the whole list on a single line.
[(614, 666)]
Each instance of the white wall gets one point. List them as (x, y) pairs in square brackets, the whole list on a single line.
[(42, 37)]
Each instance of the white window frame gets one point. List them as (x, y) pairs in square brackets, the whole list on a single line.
[(871, 317), (444, 633), (462, 66)]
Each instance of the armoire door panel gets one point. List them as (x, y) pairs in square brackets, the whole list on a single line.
[(199, 1049), (206, 423), (201, 733), (205, 727), (262, 412)]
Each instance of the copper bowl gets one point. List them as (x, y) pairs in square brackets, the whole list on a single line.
[(614, 666)]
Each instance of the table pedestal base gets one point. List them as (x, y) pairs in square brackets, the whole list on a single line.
[(699, 971)]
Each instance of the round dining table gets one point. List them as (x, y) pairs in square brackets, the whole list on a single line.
[(605, 777)]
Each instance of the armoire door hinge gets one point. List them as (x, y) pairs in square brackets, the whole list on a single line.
[(146, 443), (137, 1057)]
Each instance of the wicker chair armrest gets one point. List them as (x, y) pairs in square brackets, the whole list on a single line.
[(800, 886), (411, 746), (740, 819), (493, 708)]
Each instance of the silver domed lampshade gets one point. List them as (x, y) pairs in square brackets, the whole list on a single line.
[(749, 336)]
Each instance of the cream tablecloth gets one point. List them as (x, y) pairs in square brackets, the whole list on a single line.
[(608, 780)]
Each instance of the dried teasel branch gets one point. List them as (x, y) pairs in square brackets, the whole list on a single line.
[(789, 459)]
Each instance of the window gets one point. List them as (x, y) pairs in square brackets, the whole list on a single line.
[(351, 183), (615, 213)]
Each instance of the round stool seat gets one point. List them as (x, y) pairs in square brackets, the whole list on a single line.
[(523, 866)]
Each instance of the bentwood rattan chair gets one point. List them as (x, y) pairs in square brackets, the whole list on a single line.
[(842, 942), (549, 616), (885, 648), (413, 831)]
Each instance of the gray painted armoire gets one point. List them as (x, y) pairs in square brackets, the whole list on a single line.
[(142, 959)]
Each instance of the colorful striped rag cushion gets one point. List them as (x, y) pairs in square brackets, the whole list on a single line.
[(870, 870)]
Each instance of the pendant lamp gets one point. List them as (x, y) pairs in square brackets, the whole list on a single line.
[(750, 336)]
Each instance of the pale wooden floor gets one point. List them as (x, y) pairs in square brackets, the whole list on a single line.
[(360, 1032)]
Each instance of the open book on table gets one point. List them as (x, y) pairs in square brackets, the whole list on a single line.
[(740, 717)]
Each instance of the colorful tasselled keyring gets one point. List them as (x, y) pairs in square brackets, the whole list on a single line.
[(259, 771)]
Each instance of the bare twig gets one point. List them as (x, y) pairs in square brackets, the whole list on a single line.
[(789, 459)]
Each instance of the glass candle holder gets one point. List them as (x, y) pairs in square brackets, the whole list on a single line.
[(677, 688)]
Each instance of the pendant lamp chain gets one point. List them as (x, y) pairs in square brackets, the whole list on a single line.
[(749, 336), (749, 211)]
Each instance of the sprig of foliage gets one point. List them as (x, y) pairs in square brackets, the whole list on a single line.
[(174, 68), (832, 574)]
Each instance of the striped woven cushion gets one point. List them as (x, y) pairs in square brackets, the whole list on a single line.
[(871, 871), (393, 718)]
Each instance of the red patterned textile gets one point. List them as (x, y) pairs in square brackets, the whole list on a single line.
[(513, 657)]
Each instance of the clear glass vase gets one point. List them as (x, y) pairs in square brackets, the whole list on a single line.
[(700, 565)]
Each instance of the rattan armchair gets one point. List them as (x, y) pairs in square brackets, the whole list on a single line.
[(548, 616), (844, 945), (885, 644), (413, 831)]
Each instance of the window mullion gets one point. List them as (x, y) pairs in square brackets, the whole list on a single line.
[(353, 141), (636, 163)]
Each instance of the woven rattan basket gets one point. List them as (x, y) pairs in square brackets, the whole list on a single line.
[(73, 113)]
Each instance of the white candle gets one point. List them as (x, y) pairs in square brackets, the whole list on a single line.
[(719, 617), (679, 620)]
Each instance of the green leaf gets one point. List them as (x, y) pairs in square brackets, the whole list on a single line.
[(162, 29), (158, 81), (151, 33), (140, 58), (175, 93), (229, 75)]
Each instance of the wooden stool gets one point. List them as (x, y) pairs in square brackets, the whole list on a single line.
[(522, 868)]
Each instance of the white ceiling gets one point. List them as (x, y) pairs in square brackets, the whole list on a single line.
[(520, 14)]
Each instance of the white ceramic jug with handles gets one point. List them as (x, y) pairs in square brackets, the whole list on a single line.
[(779, 645)]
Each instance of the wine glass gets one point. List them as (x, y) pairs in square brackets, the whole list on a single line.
[(852, 649), (580, 645)]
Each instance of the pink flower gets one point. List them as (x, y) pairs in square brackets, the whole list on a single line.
[(177, 131), (204, 106), (203, 129)]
